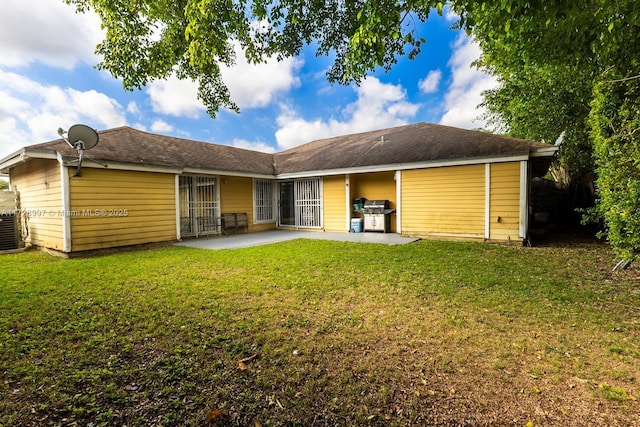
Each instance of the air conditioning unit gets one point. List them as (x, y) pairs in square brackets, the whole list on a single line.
[(8, 232), (8, 221)]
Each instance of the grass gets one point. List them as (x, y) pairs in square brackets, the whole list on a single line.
[(432, 333)]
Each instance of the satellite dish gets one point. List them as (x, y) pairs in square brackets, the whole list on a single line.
[(82, 134), (80, 137)]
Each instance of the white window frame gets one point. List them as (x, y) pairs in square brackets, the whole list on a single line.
[(264, 201)]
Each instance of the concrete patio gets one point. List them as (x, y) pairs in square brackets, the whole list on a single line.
[(266, 237)]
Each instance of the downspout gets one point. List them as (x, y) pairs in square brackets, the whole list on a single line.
[(66, 205), (398, 179)]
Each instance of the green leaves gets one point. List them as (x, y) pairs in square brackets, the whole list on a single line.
[(151, 39)]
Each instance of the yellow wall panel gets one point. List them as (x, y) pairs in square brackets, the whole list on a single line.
[(447, 201), (504, 211), (236, 196), (335, 209), (374, 186), (40, 192), (118, 208)]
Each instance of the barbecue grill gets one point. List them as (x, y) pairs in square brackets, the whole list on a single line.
[(377, 215)]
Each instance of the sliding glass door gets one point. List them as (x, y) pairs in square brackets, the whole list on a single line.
[(300, 203)]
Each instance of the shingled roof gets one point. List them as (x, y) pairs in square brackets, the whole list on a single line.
[(415, 143), (127, 145)]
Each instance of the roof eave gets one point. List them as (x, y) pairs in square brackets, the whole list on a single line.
[(24, 154), (544, 151)]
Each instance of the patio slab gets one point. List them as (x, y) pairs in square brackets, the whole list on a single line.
[(274, 236)]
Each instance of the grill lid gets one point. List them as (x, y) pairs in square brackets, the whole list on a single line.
[(376, 204)]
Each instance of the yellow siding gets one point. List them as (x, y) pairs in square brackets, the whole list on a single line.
[(236, 196), (119, 208), (447, 201), (376, 186), (40, 191), (335, 209), (504, 212)]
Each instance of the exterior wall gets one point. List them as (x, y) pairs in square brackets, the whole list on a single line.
[(335, 209), (113, 208), (376, 186), (444, 202), (236, 196), (39, 186), (504, 211)]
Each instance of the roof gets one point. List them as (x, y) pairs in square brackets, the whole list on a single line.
[(403, 145), (415, 143), (127, 145)]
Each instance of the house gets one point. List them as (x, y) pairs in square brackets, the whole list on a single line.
[(136, 187)]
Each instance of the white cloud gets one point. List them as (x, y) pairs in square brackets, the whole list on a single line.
[(175, 97), (46, 31), (161, 126), (133, 108), (379, 105), (466, 87), (430, 83), (255, 85), (31, 112), (250, 85)]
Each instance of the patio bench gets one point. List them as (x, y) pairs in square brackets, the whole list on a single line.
[(234, 222)]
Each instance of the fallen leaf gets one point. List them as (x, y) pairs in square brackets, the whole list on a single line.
[(242, 363), (217, 415)]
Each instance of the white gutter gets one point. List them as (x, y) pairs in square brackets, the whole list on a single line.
[(404, 166), (201, 171)]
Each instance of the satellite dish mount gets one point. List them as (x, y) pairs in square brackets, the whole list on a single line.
[(80, 137)]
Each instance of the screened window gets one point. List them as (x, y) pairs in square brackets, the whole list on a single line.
[(263, 200)]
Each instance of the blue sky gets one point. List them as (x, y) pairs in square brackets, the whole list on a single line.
[(48, 80)]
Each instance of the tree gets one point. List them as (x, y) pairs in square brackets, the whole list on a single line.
[(152, 39), (572, 66), (4, 185), (541, 103)]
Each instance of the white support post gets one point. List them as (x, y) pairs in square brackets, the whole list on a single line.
[(487, 201), (524, 199), (347, 191), (66, 206), (398, 179), (177, 196)]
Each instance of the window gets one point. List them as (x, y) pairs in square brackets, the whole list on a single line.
[(263, 200)]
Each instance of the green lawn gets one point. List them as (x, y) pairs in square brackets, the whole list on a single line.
[(430, 333)]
